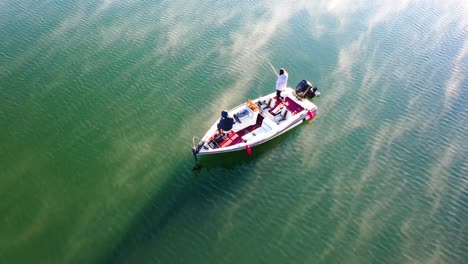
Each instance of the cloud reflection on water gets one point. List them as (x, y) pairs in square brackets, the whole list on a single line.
[(251, 37)]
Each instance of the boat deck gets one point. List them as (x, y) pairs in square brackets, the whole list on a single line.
[(235, 137), (258, 121)]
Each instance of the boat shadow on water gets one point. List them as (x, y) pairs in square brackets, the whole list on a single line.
[(176, 199), (179, 195)]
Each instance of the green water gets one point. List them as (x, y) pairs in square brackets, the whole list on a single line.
[(99, 101)]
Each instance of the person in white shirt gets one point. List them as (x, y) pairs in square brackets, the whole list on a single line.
[(281, 83)]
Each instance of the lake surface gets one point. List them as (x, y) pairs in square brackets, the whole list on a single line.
[(99, 101)]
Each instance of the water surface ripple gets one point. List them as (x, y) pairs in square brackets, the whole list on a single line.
[(99, 101)]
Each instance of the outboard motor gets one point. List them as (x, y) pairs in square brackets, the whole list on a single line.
[(312, 93), (302, 87), (304, 90)]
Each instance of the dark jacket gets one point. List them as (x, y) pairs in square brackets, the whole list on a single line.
[(226, 123)]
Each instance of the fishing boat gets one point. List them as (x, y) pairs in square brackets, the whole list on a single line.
[(259, 120)]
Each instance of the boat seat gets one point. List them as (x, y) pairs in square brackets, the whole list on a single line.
[(266, 104), (282, 116), (272, 103)]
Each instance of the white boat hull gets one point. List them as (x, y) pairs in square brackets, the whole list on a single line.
[(259, 123)]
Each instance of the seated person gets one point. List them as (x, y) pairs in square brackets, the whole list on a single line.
[(225, 123)]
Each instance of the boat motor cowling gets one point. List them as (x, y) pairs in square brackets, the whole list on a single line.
[(306, 90)]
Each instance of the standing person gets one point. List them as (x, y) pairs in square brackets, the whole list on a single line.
[(281, 83)]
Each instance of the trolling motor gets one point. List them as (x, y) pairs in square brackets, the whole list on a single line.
[(195, 149), (306, 90)]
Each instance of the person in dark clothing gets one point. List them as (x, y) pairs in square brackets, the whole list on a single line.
[(225, 123)]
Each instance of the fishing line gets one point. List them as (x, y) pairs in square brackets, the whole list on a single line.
[(273, 68)]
